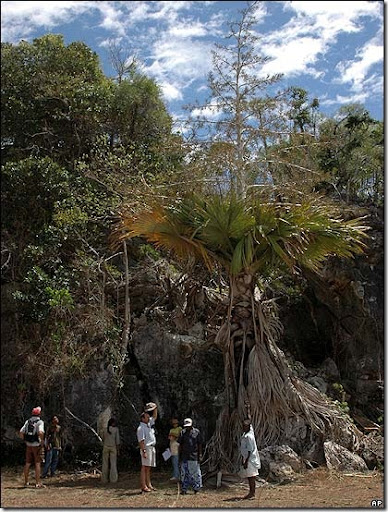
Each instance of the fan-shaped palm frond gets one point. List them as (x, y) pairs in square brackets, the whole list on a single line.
[(172, 228), (246, 239)]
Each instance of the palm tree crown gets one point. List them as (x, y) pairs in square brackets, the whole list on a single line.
[(246, 238)]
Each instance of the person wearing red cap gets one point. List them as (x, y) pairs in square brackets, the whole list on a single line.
[(32, 432)]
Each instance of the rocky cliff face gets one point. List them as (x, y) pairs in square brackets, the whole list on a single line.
[(341, 316), (176, 372)]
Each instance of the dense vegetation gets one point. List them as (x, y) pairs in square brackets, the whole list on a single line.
[(79, 148), (73, 143)]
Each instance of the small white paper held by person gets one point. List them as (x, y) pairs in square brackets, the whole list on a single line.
[(166, 454)]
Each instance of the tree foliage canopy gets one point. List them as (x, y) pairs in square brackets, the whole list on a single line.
[(74, 142)]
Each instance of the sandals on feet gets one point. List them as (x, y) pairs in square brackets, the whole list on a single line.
[(249, 497), (146, 489)]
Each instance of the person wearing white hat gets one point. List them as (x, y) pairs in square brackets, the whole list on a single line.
[(147, 441), (150, 407), (32, 432), (190, 452), (250, 458)]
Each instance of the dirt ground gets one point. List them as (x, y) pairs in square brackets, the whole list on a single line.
[(317, 488)]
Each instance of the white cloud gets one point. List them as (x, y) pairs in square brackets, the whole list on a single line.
[(344, 100), (304, 52), (113, 19), (312, 32), (179, 60), (170, 91), (167, 11), (138, 11), (20, 19), (332, 9), (211, 112), (356, 71), (260, 12), (186, 30), (180, 123)]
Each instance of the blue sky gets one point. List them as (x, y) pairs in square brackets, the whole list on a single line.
[(333, 49)]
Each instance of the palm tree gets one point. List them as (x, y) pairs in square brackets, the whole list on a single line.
[(246, 241)]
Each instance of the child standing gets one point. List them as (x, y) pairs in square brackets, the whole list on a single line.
[(174, 448)]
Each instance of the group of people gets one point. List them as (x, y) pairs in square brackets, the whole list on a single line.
[(41, 446), (185, 450)]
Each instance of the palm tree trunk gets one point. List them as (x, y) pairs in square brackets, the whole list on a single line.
[(259, 384)]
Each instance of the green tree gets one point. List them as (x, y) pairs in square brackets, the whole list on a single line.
[(137, 112), (61, 181), (30, 192), (352, 154), (53, 98), (289, 136), (55, 225), (248, 240), (302, 114)]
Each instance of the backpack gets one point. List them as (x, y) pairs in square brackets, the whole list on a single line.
[(31, 434)]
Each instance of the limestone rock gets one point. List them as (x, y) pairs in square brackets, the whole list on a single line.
[(281, 455), (373, 450), (329, 368), (319, 383), (280, 472), (341, 459)]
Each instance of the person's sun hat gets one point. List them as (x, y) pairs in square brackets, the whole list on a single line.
[(36, 411), (150, 407), (188, 422)]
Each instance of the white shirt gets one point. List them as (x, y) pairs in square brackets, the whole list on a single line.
[(145, 432), (248, 444)]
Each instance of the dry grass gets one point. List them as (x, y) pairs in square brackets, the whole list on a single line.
[(315, 489)]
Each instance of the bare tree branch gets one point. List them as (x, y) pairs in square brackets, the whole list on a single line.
[(83, 423)]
